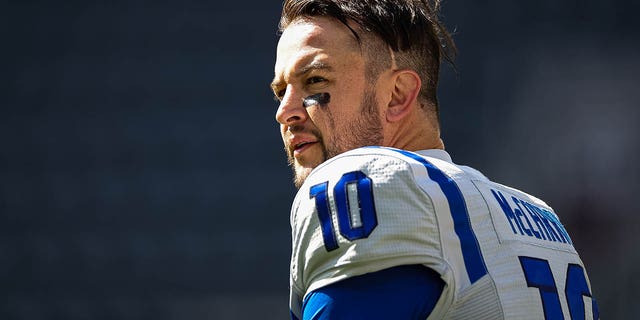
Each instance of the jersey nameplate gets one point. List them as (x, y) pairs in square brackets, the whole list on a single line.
[(520, 219)]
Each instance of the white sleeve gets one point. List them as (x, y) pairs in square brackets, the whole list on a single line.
[(361, 212)]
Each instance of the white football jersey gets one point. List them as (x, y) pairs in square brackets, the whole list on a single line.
[(502, 253)]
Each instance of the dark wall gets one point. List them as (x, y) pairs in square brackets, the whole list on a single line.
[(142, 173)]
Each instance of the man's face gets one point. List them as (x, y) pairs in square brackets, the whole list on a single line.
[(326, 105)]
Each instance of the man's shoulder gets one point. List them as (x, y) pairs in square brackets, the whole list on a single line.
[(371, 152), (382, 166), (375, 157), (372, 160)]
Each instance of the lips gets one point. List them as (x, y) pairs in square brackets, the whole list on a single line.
[(297, 145), (300, 147)]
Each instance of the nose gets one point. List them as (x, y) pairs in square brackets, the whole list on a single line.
[(291, 111)]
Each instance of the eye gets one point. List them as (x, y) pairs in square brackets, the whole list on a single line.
[(314, 80), (279, 94)]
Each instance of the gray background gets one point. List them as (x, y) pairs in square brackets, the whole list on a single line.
[(142, 174)]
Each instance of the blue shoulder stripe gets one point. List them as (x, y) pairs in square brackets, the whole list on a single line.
[(473, 260)]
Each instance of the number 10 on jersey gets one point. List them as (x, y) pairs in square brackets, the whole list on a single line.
[(364, 211)]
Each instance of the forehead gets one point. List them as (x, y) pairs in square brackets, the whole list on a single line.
[(309, 38)]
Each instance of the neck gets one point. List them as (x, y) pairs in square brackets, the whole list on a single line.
[(414, 133)]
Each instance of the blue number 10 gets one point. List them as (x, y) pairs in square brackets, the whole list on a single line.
[(346, 226), (538, 274)]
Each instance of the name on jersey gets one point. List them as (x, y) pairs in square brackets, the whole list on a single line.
[(530, 220)]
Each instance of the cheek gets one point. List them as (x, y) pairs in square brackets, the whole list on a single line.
[(323, 120), (284, 134)]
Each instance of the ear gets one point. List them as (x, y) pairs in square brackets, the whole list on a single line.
[(406, 87)]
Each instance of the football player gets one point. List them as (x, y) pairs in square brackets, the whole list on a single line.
[(385, 225)]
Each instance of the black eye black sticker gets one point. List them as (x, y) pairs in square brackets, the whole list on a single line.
[(321, 99)]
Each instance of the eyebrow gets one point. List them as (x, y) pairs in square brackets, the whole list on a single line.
[(314, 65)]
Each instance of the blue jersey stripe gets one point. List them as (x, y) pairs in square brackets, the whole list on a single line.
[(473, 260)]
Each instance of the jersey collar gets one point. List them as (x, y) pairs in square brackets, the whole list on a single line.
[(436, 153)]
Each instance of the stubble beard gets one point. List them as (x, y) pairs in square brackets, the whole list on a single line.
[(365, 131)]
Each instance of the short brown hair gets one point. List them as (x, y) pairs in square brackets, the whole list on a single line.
[(410, 28)]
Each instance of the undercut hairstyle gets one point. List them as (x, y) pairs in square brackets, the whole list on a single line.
[(410, 29)]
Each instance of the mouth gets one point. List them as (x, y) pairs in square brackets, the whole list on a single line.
[(299, 148)]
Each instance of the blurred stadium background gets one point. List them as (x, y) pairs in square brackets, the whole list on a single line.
[(141, 170)]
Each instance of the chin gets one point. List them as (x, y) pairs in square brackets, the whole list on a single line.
[(300, 174), (303, 166)]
